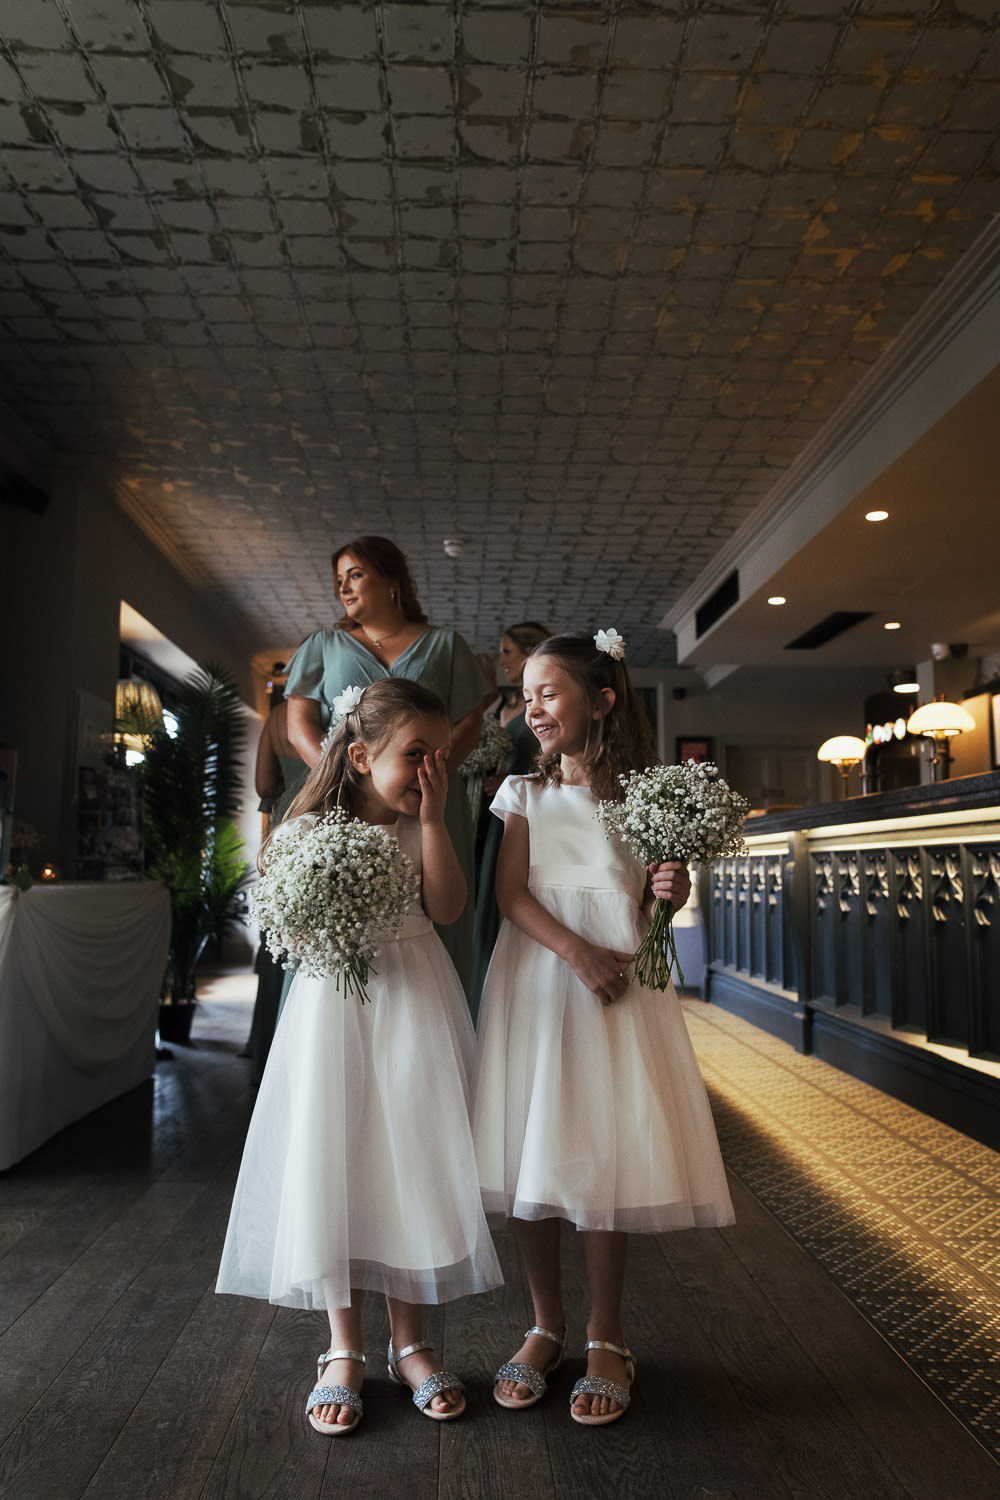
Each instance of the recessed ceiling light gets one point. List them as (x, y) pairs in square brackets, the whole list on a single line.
[(892, 625), (777, 599), (906, 687), (876, 515)]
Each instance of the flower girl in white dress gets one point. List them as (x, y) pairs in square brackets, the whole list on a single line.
[(589, 1102), (359, 1171)]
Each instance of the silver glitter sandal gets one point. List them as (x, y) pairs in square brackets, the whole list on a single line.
[(597, 1385), (335, 1395), (536, 1382), (442, 1380)]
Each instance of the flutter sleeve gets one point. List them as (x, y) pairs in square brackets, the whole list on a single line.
[(511, 798), (306, 669)]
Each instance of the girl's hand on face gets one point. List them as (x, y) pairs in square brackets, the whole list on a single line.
[(671, 882), (603, 970), (432, 777)]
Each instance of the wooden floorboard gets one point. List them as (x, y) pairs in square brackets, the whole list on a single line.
[(123, 1374), (812, 1441), (902, 1420), (702, 1430)]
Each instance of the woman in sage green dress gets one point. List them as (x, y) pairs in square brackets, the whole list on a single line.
[(384, 633), (516, 643)]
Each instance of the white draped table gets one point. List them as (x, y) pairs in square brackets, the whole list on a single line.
[(80, 974)]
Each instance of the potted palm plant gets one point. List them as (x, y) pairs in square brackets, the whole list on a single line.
[(191, 788)]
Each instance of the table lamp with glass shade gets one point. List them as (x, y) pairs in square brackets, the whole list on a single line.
[(844, 751), (138, 712), (940, 722)]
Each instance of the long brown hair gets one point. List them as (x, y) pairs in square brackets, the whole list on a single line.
[(621, 740), (385, 558), (334, 781)]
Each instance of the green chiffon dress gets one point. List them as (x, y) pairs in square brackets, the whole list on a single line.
[(270, 974), (520, 761), (329, 661)]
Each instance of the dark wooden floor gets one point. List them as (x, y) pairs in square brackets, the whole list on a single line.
[(122, 1374)]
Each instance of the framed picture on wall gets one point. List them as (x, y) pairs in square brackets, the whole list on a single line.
[(688, 748)]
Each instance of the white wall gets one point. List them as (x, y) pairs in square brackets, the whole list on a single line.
[(766, 708)]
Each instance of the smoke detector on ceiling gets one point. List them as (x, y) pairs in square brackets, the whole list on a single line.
[(453, 546)]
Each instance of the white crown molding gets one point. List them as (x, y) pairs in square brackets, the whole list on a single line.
[(957, 302)]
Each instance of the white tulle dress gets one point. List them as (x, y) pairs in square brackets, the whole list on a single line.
[(359, 1169), (590, 1113)]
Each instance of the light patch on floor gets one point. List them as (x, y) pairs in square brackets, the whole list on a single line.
[(901, 1211)]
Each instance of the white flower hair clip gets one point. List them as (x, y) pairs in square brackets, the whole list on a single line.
[(347, 701), (610, 641)]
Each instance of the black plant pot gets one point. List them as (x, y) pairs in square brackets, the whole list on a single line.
[(175, 1022)]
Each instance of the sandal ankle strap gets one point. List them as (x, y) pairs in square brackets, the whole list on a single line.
[(398, 1354), (619, 1349), (546, 1333), (332, 1354)]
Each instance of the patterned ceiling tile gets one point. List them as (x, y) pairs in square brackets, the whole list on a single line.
[(575, 282)]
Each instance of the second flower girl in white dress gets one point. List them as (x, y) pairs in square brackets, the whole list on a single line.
[(589, 1103)]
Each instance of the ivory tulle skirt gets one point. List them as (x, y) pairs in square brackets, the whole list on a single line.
[(593, 1114), (359, 1169)]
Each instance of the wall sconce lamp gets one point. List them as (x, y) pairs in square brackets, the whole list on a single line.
[(939, 722), (844, 751)]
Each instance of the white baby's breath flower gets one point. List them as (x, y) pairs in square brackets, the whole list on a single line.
[(333, 889), (492, 750), (347, 701), (610, 641), (686, 813)]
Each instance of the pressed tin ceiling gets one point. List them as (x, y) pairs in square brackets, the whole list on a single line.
[(575, 283)]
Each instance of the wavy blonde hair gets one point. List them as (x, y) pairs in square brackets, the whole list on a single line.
[(621, 740)]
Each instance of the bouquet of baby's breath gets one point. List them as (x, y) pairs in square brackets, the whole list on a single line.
[(493, 749), (332, 890), (686, 813), (483, 759)]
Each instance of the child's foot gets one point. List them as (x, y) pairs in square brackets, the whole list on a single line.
[(542, 1352), (348, 1372), (415, 1368), (603, 1364)]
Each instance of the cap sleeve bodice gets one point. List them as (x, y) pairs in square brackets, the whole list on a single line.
[(568, 845)]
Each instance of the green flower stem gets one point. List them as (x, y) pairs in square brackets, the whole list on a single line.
[(657, 953), (353, 978)]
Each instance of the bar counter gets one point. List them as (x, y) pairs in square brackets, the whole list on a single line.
[(868, 932)]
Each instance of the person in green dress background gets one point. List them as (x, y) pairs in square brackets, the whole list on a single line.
[(516, 643), (384, 633), (278, 774)]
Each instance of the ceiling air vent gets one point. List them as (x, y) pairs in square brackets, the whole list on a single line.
[(828, 629), (716, 605)]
